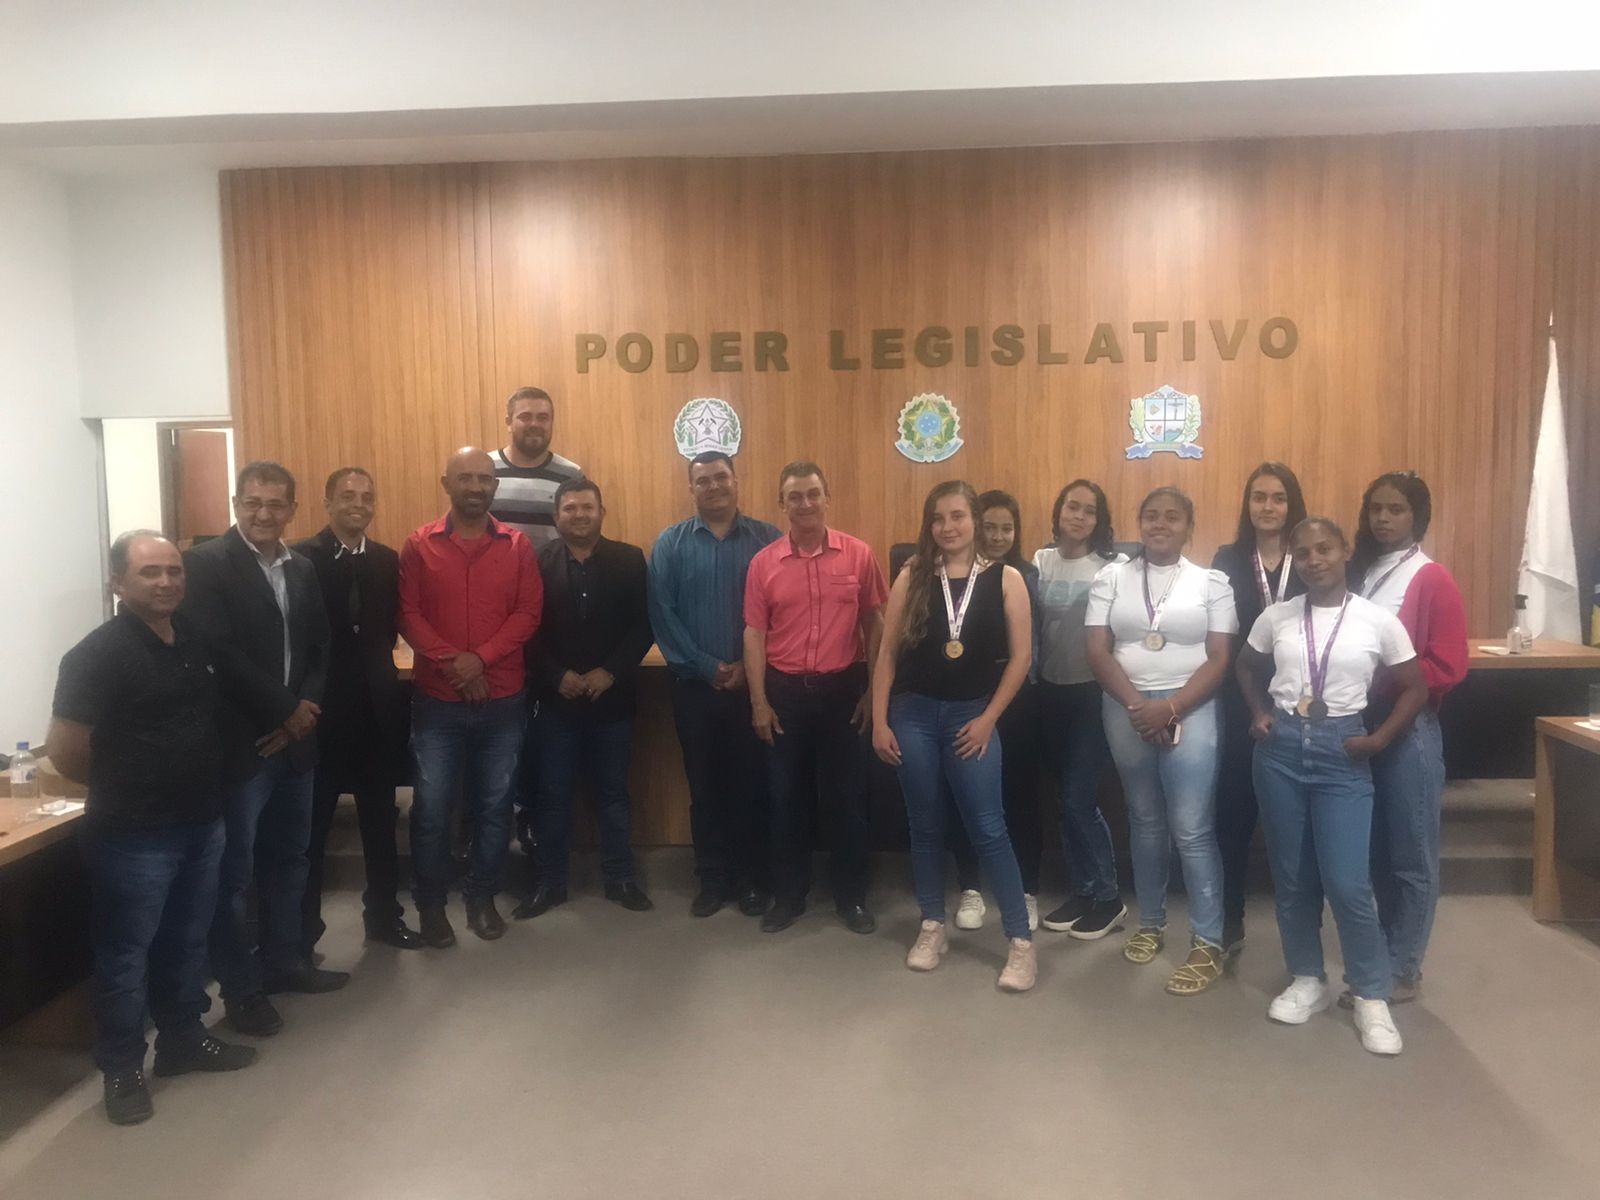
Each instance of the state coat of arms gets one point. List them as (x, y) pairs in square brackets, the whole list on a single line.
[(929, 428), (1166, 419), (706, 424)]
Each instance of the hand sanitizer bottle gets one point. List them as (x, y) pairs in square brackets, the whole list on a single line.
[(1518, 639)]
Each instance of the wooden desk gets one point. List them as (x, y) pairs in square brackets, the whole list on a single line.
[(1545, 656), (20, 837), (1566, 821), (1488, 719)]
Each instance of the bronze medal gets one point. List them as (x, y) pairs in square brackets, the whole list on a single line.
[(1154, 640), (954, 649)]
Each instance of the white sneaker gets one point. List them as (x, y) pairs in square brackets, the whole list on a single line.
[(969, 914), (1378, 1034), (929, 947), (1300, 1001), (1033, 911)]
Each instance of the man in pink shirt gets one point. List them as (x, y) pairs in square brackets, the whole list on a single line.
[(813, 612), (470, 596)]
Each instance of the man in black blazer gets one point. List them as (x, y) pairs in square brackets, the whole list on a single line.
[(361, 735), (258, 605), (584, 660)]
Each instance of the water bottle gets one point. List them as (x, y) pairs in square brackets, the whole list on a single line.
[(1518, 639), (24, 774)]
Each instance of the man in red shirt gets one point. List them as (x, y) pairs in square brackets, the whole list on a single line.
[(470, 596), (813, 611)]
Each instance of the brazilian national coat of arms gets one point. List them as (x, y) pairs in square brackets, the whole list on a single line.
[(706, 424), (929, 428), (1166, 419)]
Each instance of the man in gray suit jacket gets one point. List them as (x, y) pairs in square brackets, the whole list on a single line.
[(259, 606)]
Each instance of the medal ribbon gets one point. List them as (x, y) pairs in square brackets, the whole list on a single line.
[(1269, 595), (958, 616), (1153, 611), (1404, 558), (1318, 672)]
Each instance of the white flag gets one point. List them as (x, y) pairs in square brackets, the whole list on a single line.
[(1548, 576)]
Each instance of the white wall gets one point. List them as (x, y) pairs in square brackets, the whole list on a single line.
[(133, 475), (50, 552), (147, 282), (92, 60)]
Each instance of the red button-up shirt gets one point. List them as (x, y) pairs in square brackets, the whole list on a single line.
[(482, 595), (810, 605)]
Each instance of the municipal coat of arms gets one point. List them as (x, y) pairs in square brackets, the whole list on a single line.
[(1166, 419), (929, 428), (706, 424)]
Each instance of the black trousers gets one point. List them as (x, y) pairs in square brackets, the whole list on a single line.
[(377, 817), (725, 765), (819, 761), (1236, 804), (1018, 728)]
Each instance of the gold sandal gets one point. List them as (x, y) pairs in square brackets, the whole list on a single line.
[(1200, 970), (1143, 946)]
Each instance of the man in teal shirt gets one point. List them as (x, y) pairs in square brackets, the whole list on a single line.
[(697, 573)]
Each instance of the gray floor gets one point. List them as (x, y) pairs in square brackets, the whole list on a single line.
[(600, 1053)]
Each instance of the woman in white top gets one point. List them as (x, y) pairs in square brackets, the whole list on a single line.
[(1313, 778), (1072, 728), (1159, 633)]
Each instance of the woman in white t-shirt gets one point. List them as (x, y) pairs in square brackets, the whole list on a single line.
[(1072, 729), (1160, 630), (1312, 774)]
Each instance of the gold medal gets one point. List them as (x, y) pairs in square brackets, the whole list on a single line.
[(1154, 640), (954, 649), (1304, 707)]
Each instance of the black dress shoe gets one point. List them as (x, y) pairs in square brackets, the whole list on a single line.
[(782, 914), (208, 1054), (397, 934), (630, 895), (754, 902), (127, 1098), (436, 929), (857, 918), (707, 902), (306, 979), (545, 897), (484, 919), (253, 1015)]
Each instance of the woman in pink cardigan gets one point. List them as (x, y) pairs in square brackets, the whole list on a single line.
[(1390, 569)]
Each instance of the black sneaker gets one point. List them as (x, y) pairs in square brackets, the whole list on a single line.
[(1100, 920), (127, 1098), (1069, 914), (208, 1054)]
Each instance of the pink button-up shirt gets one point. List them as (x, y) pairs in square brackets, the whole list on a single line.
[(811, 605)]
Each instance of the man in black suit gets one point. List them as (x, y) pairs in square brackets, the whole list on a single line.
[(584, 660), (361, 735), (258, 605)]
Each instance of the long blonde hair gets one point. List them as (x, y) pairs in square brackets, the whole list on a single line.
[(919, 588)]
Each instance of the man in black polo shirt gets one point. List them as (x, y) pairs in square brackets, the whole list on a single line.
[(135, 718), (584, 660)]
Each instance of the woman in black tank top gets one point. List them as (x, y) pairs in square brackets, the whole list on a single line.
[(956, 648)]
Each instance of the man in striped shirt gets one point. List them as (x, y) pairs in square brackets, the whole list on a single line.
[(528, 473)]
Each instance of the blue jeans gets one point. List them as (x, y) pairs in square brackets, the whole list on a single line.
[(268, 820), (470, 748), (926, 730), (155, 894), (1171, 797), (602, 750), (1074, 735), (1408, 787), (1316, 807)]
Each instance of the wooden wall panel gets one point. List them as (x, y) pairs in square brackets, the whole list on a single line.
[(380, 316)]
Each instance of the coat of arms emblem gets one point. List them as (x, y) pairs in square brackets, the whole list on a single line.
[(706, 424), (1166, 419), (929, 428)]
